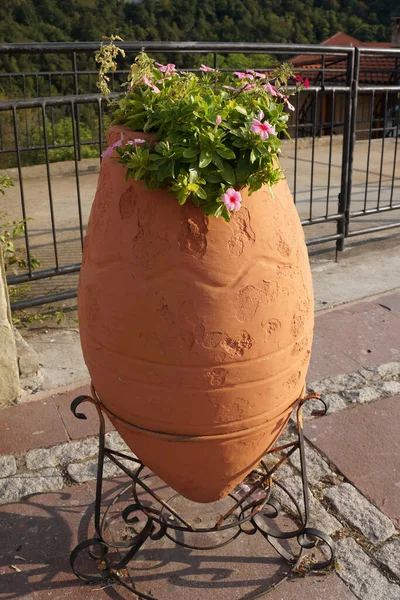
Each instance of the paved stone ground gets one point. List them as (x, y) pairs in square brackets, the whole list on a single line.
[(48, 462)]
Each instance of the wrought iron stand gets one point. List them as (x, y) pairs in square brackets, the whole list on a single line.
[(253, 504)]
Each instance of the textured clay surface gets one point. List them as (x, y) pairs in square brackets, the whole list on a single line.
[(196, 333)]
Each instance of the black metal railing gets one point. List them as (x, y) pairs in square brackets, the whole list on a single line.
[(341, 164)]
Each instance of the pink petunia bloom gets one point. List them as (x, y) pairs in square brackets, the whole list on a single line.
[(243, 75), (232, 199), (262, 129), (167, 69), (298, 79), (206, 69), (147, 81), (229, 87), (270, 89), (290, 106), (306, 82), (260, 115), (108, 151), (218, 120)]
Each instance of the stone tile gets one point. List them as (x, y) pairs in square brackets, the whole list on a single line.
[(362, 575), (364, 444), (319, 517), (87, 471), (8, 466), (326, 358), (43, 530), (365, 332), (79, 428), (62, 454), (19, 486), (363, 395), (389, 556), (35, 424), (359, 513), (390, 301), (339, 383), (317, 468)]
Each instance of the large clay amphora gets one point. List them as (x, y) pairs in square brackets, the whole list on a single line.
[(196, 332)]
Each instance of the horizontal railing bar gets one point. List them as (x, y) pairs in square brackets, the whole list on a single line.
[(324, 239), (51, 147), (43, 274), (379, 88), (372, 229), (316, 220), (40, 300), (373, 211), (390, 51), (91, 98), (232, 47), (53, 101)]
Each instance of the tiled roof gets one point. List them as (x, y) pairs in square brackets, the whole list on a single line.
[(373, 68)]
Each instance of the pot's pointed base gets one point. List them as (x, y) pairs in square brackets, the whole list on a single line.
[(202, 468)]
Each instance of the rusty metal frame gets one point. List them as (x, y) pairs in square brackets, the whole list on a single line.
[(253, 504)]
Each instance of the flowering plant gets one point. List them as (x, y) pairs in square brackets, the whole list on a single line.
[(214, 133)]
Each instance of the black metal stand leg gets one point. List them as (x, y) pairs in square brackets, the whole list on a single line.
[(251, 508)]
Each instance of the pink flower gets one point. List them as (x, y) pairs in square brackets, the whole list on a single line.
[(260, 115), (262, 129), (271, 90), (243, 75), (167, 69), (259, 75), (218, 120), (290, 106), (147, 81), (232, 199), (249, 86), (229, 87), (206, 69), (302, 81), (108, 151)]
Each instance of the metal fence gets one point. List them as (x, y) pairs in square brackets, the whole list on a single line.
[(341, 164)]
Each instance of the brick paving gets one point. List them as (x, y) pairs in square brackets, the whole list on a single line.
[(354, 480)]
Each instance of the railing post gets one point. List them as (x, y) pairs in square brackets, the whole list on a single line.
[(76, 106), (348, 150)]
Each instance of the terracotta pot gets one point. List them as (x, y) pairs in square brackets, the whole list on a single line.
[(196, 333)]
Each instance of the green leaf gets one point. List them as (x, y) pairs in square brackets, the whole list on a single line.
[(243, 169), (241, 110), (212, 177), (226, 152), (201, 193), (217, 160), (190, 152), (205, 159), (228, 173), (219, 210)]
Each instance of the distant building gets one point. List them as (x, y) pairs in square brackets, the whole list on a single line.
[(376, 70)]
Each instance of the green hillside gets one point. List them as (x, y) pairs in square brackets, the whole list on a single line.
[(298, 21)]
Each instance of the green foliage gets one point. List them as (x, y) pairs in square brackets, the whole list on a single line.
[(204, 145), (14, 257), (296, 21)]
